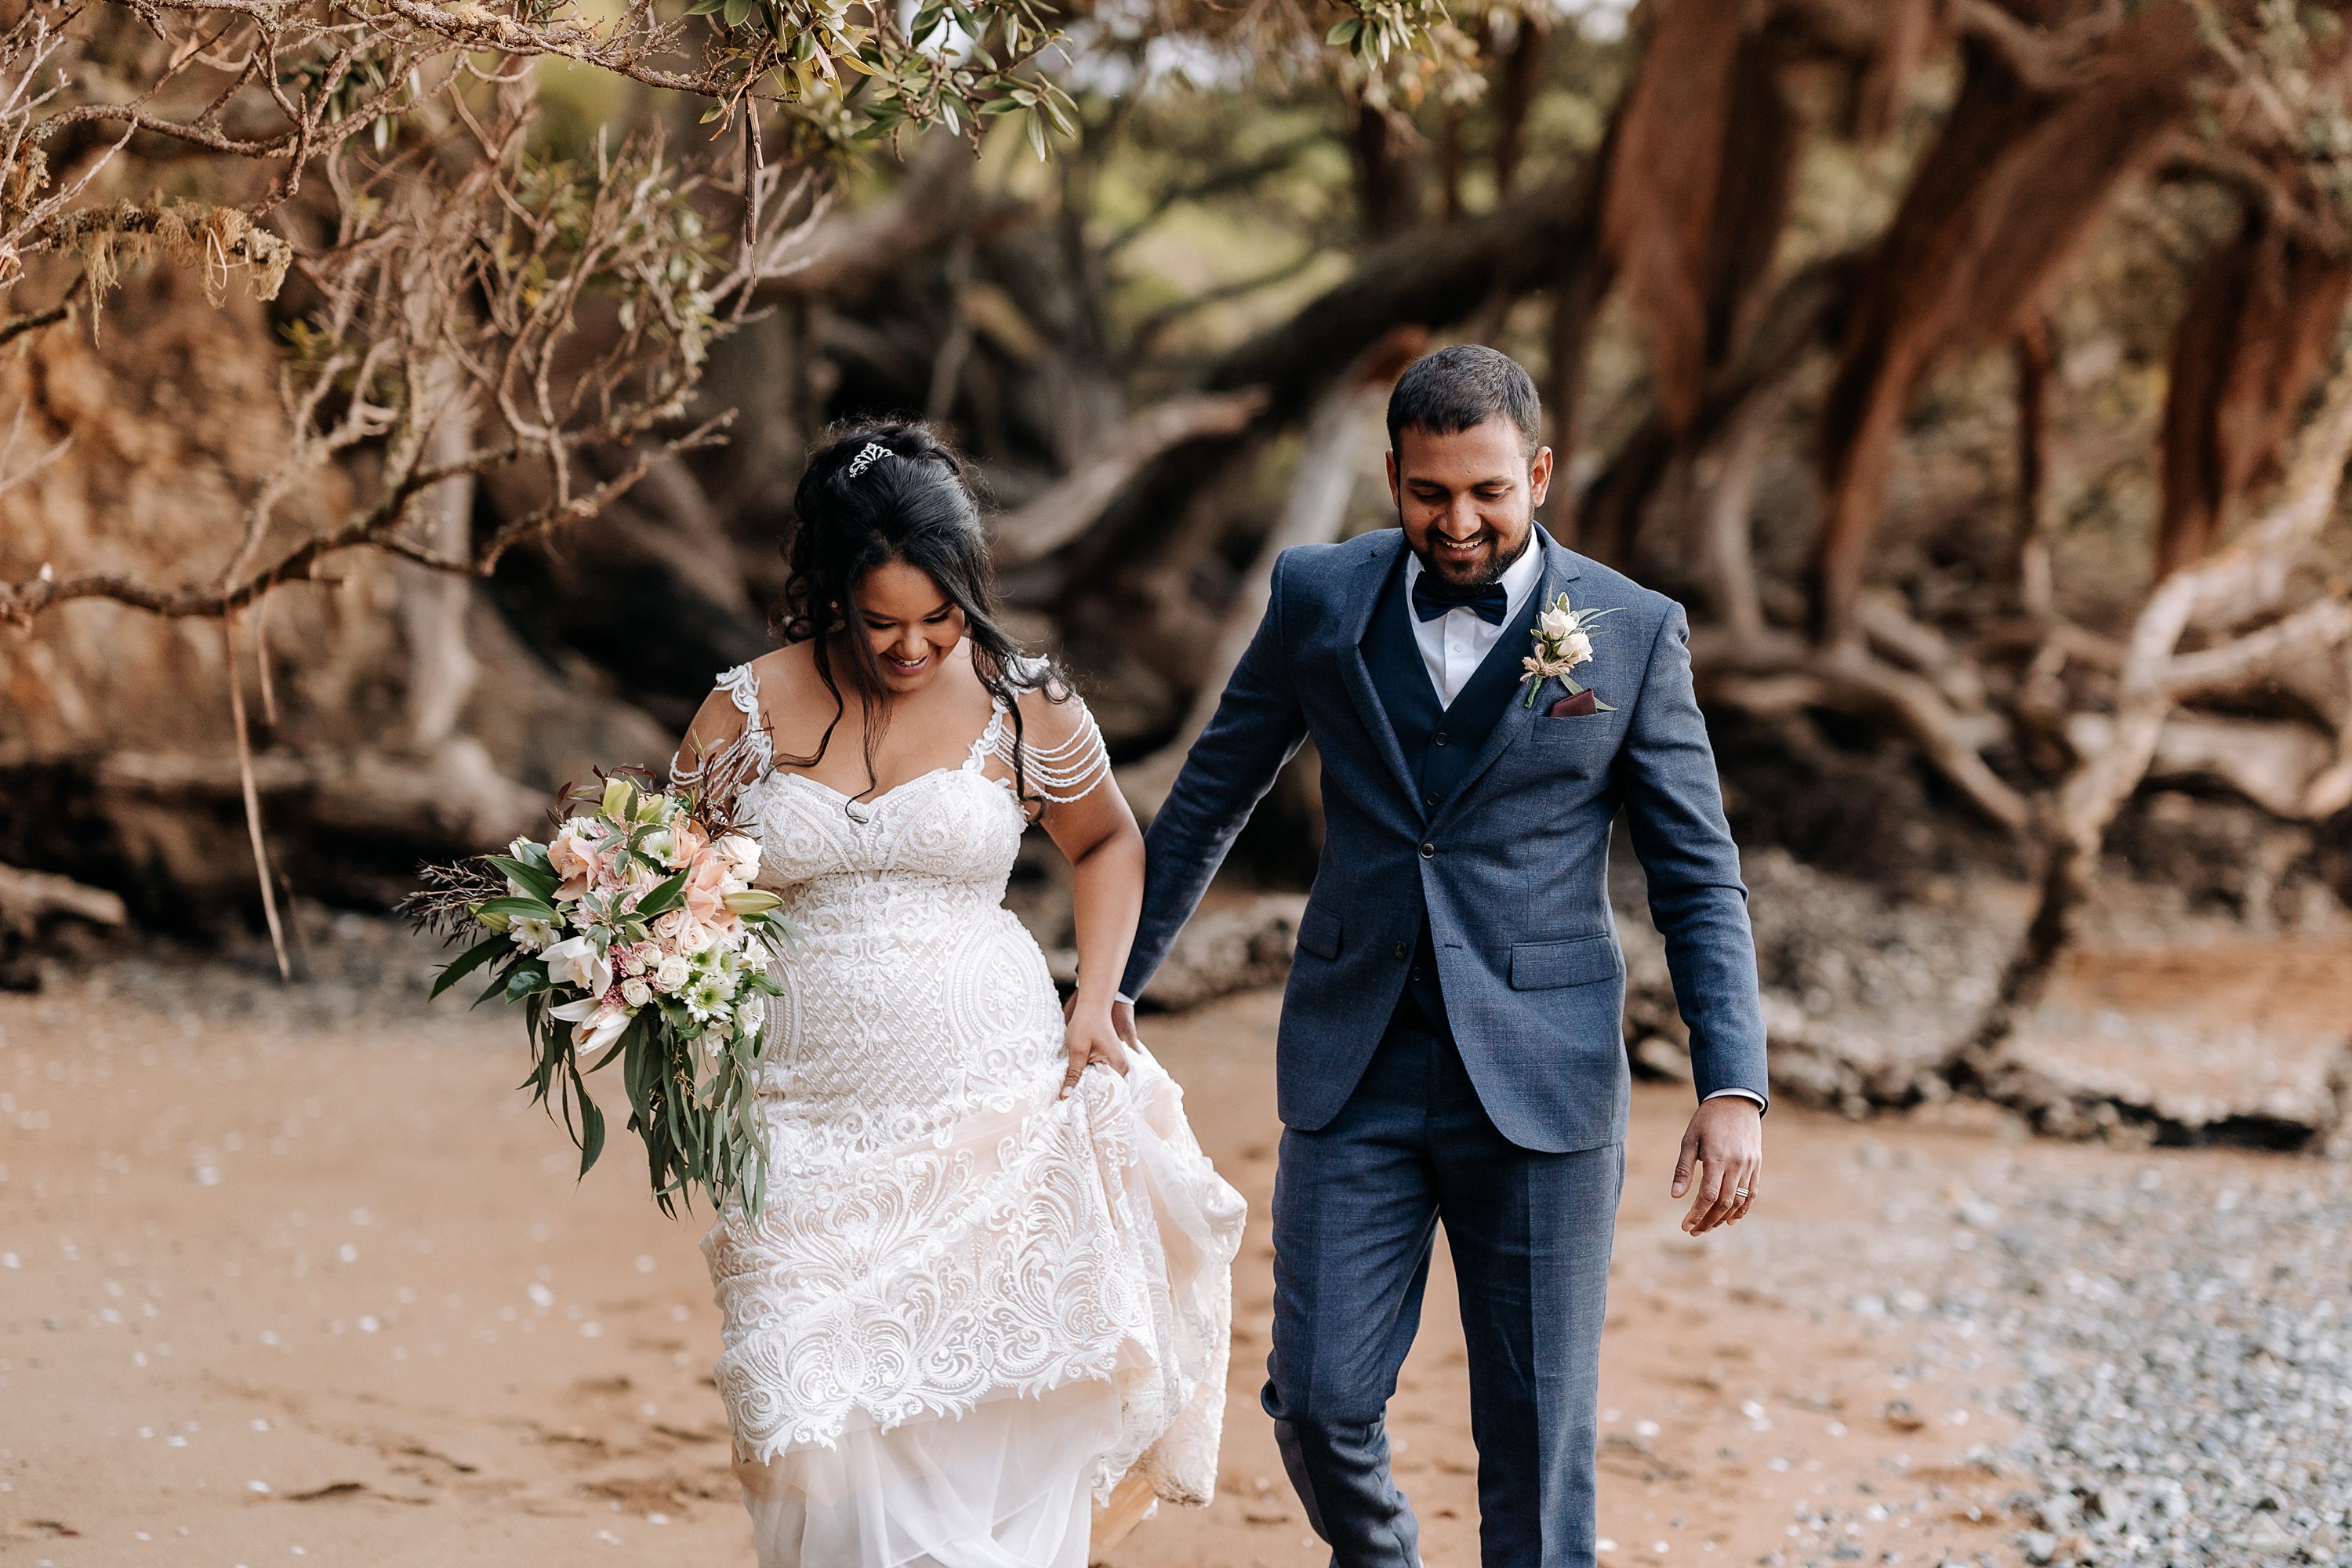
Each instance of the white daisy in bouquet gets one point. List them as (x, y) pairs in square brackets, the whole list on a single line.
[(633, 935)]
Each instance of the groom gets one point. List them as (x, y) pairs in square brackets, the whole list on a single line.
[(1451, 1045)]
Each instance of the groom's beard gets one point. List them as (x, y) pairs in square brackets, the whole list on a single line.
[(1486, 567)]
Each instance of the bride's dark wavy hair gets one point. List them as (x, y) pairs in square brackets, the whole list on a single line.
[(914, 506)]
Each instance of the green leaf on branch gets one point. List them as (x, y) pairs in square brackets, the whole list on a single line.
[(467, 962), (663, 898), (537, 880), (592, 1133), (520, 908), (525, 979)]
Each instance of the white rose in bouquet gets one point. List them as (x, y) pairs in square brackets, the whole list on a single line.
[(1575, 648), (671, 973), (635, 992), (1556, 625), (741, 853)]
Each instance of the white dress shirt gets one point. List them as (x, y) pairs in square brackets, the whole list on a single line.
[(1453, 644)]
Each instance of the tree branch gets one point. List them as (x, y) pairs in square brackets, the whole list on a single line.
[(1065, 511)]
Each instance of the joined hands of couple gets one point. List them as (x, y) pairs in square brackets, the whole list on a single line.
[(1720, 1165)]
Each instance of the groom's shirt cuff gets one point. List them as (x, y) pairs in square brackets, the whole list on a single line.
[(1123, 996), (1742, 1093)]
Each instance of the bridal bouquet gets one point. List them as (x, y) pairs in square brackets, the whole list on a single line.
[(635, 936)]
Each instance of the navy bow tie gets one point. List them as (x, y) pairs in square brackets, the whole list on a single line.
[(1433, 597)]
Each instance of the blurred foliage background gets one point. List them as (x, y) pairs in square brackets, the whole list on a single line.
[(402, 402)]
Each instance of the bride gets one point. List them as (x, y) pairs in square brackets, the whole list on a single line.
[(991, 1285)]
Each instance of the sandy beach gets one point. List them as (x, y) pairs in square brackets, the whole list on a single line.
[(297, 1274)]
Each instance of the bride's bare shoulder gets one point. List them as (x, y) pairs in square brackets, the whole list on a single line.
[(783, 672)]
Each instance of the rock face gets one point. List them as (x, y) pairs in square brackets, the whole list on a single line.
[(1865, 992), (2166, 1028), (394, 713), (2229, 1040)]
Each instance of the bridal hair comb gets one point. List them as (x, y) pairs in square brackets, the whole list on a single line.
[(867, 456)]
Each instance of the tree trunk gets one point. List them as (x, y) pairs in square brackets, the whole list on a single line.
[(1515, 95), (2014, 187), (2030, 350), (2260, 323)]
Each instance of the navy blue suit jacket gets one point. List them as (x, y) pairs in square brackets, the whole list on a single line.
[(1511, 866)]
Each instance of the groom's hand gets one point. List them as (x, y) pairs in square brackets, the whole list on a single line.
[(1723, 1150), (1122, 1020)]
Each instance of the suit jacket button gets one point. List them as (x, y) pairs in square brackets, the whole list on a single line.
[(1400, 949), (1438, 739), (1429, 851), (1431, 797)]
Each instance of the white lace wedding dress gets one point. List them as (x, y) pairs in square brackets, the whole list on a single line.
[(971, 1307)]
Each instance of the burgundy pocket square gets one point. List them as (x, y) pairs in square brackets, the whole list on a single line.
[(1574, 707)]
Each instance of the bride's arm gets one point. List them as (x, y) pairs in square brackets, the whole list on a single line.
[(716, 725), (1090, 822)]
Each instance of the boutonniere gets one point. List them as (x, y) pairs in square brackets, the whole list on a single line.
[(1563, 638)]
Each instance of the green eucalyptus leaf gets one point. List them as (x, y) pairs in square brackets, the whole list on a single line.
[(525, 979), (592, 1133)]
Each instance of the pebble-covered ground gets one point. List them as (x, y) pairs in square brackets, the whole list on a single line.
[(2188, 1341), (2170, 1337)]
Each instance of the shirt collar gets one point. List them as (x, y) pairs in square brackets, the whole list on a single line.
[(1519, 579)]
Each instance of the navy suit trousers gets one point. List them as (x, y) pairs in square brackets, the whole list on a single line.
[(1357, 1203)]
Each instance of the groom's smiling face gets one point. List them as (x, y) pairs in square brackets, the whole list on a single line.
[(1467, 498)]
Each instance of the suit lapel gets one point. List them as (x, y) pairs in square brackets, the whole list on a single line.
[(1560, 568), (1357, 676)]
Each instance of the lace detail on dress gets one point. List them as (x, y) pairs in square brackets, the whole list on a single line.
[(943, 1230), (750, 759)]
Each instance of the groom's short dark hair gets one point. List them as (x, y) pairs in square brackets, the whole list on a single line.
[(1462, 387)]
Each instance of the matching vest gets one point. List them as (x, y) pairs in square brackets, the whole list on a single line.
[(1439, 744)]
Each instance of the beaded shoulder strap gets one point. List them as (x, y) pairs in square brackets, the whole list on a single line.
[(1069, 771)]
